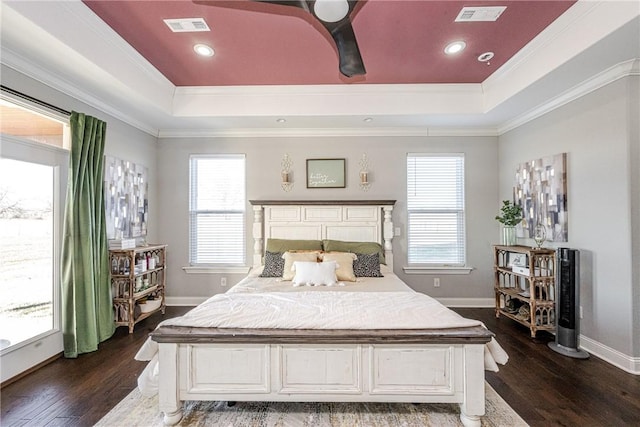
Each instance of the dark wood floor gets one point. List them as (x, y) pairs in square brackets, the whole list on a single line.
[(545, 388)]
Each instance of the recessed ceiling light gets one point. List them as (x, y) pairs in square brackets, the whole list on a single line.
[(281, 120), (455, 47), (203, 50)]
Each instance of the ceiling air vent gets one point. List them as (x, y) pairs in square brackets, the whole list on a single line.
[(480, 14), (187, 25)]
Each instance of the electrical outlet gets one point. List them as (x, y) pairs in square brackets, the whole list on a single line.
[(223, 281), (397, 232), (436, 282)]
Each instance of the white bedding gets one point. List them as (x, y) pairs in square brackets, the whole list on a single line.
[(271, 303)]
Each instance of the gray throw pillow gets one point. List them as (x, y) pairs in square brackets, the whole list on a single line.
[(273, 264), (367, 265)]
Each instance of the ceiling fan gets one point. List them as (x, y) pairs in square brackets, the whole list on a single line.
[(335, 16)]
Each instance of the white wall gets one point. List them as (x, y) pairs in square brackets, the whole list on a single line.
[(387, 159), (128, 143), (634, 156), (594, 131)]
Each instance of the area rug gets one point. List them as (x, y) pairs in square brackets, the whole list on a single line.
[(136, 410)]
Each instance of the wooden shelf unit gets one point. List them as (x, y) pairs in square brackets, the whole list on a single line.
[(532, 286), (126, 278)]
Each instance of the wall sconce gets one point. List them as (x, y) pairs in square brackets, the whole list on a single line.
[(285, 173), (364, 173)]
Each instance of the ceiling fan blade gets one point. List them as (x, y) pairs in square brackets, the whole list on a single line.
[(350, 60), (351, 63)]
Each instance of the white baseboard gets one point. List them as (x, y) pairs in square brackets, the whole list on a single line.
[(623, 361), (468, 302), (184, 301)]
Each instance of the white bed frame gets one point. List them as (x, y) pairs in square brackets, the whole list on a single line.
[(420, 366)]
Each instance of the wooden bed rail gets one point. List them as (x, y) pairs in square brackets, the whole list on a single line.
[(186, 334)]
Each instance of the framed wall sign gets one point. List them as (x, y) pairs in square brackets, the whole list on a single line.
[(325, 173)]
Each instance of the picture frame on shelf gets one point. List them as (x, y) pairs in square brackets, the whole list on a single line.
[(517, 260), (326, 173)]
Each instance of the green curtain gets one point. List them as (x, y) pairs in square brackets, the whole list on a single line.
[(87, 313)]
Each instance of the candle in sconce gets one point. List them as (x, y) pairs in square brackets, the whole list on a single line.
[(364, 179)]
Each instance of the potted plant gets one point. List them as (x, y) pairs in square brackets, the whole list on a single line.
[(510, 216)]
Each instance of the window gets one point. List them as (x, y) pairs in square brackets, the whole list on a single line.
[(33, 183), (25, 120), (217, 210), (435, 206)]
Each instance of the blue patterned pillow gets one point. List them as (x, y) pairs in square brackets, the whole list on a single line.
[(273, 264), (367, 265)]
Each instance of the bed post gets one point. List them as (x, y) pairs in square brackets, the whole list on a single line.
[(472, 406), (169, 401), (257, 235), (387, 234)]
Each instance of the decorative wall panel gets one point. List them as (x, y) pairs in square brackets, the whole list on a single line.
[(126, 203), (541, 190)]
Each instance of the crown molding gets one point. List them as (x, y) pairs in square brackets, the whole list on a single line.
[(325, 132), (619, 71), (117, 50), (527, 55), (47, 77), (436, 131), (323, 90), (579, 28), (328, 100)]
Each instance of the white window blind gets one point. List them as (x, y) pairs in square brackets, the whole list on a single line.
[(435, 206), (217, 210)]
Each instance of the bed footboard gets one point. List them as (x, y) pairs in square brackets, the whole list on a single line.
[(448, 370)]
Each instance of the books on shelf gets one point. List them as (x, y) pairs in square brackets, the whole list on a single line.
[(526, 271), (522, 270), (122, 244)]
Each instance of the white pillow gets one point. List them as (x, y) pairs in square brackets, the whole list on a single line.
[(315, 273)]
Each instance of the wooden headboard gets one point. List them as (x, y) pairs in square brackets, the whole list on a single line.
[(355, 221)]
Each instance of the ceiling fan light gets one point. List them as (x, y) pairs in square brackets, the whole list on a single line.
[(455, 47), (331, 10), (203, 50)]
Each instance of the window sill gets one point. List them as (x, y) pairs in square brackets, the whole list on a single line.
[(215, 270), (437, 270)]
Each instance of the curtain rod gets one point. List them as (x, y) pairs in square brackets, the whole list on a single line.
[(34, 100)]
